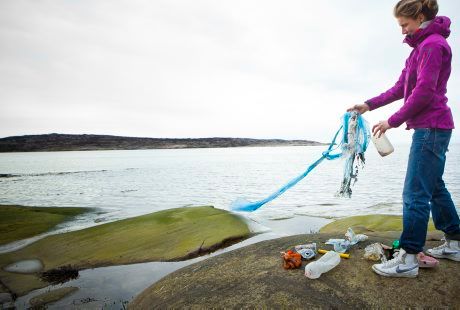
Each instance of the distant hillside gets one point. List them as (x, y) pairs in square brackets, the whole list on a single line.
[(63, 142)]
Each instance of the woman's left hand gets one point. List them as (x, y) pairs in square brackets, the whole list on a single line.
[(380, 128)]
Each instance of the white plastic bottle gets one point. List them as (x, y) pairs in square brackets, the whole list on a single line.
[(322, 265), (383, 145)]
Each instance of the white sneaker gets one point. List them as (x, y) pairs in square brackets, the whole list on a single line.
[(403, 265), (450, 250)]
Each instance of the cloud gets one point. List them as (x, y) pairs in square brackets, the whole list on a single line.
[(197, 69)]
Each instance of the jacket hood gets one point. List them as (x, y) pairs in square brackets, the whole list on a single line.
[(439, 25)]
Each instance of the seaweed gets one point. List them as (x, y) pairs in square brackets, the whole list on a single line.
[(60, 275)]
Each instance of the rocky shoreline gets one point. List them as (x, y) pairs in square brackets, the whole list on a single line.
[(247, 276), (66, 142), (253, 277), (168, 235)]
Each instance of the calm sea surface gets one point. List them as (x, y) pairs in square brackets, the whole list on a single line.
[(121, 184)]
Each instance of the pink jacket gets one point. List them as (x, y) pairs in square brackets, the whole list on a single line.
[(423, 82)]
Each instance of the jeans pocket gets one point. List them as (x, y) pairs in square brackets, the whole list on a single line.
[(441, 141), (420, 138)]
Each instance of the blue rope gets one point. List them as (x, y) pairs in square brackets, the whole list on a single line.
[(244, 205)]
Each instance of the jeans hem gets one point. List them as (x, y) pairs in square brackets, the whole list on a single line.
[(455, 237)]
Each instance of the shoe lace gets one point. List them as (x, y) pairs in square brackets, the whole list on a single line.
[(442, 246)]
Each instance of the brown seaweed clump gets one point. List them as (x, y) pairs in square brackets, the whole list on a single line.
[(60, 275)]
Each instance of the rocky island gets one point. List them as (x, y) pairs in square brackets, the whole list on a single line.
[(68, 142)]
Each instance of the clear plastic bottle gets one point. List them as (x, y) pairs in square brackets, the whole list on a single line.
[(383, 145), (322, 265)]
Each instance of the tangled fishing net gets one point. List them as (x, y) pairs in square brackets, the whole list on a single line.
[(352, 146)]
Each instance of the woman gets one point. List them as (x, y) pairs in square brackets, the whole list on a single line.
[(422, 84)]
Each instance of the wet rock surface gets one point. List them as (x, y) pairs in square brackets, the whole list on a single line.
[(253, 277), (6, 301), (52, 296), (5, 297)]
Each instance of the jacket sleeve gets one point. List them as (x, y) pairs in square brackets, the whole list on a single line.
[(393, 94), (429, 64)]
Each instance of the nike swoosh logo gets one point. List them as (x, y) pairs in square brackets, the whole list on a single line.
[(444, 252), (399, 270)]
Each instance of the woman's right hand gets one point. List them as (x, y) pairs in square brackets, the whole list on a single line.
[(360, 108)]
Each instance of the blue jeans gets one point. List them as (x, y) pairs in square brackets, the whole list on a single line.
[(424, 190)]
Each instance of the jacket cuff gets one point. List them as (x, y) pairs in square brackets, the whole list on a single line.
[(393, 123), (370, 104)]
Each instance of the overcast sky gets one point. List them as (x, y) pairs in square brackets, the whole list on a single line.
[(174, 68)]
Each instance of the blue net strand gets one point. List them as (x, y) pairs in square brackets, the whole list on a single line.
[(361, 139), (354, 145)]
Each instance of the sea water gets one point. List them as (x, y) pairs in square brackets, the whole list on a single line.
[(125, 183)]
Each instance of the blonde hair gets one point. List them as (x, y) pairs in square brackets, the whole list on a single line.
[(413, 9)]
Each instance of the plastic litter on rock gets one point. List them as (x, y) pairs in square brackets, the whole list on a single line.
[(307, 253), (425, 261), (291, 259), (355, 238), (311, 246), (342, 245), (374, 252), (343, 255), (327, 262)]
